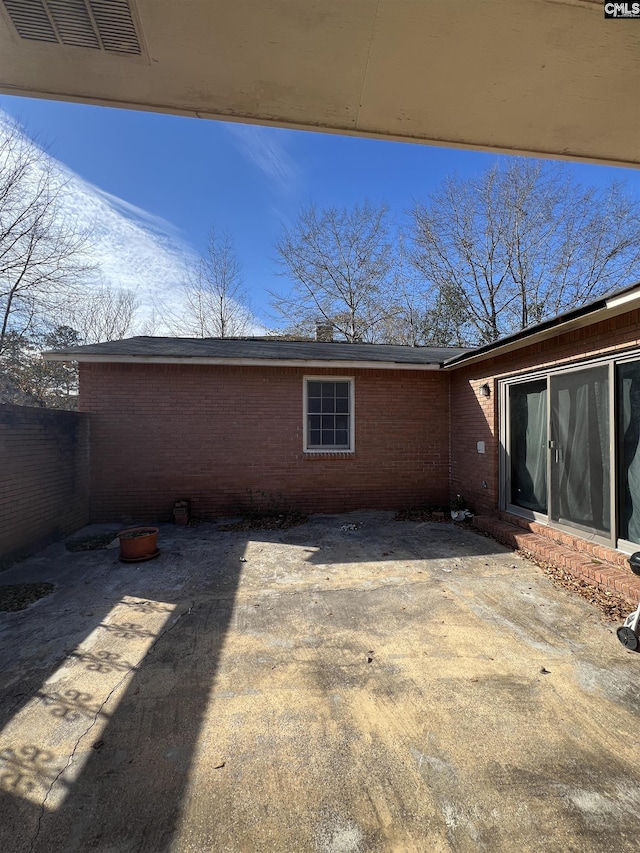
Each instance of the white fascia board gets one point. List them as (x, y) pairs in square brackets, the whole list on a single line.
[(241, 362), (612, 308), (626, 300)]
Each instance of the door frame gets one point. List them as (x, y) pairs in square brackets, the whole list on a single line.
[(504, 384), (590, 534)]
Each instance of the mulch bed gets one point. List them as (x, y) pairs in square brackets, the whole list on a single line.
[(21, 595), (268, 522)]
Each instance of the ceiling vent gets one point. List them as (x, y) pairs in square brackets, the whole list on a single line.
[(98, 24)]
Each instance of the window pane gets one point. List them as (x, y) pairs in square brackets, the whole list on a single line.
[(628, 429), (328, 414), (528, 444), (580, 471), (342, 438)]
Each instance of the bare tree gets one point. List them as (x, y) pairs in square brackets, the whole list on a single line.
[(105, 314), (27, 379), (340, 263), (405, 322), (519, 244), (42, 252), (216, 302)]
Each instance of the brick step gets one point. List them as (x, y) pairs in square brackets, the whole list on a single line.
[(576, 543), (602, 573)]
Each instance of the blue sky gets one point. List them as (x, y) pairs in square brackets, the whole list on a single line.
[(179, 176)]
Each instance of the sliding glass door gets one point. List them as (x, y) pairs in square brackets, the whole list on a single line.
[(571, 449), (580, 450), (528, 445), (559, 454), (628, 443)]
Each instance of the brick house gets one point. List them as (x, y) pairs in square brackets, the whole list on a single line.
[(313, 425), (541, 428)]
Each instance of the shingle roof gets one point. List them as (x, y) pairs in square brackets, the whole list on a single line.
[(149, 349)]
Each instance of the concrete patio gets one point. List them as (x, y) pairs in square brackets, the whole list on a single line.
[(352, 684)]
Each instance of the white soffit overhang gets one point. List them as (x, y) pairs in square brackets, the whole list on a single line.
[(544, 77)]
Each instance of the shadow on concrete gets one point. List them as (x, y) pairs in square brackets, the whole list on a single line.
[(125, 788), (133, 773), (352, 538)]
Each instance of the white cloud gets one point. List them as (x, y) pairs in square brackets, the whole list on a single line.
[(265, 148), (129, 247)]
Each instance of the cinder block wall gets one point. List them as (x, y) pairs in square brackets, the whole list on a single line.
[(212, 434), (475, 418), (44, 476)]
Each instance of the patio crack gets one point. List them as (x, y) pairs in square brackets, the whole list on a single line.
[(114, 689), (430, 581)]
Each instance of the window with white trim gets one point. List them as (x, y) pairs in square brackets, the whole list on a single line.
[(328, 414)]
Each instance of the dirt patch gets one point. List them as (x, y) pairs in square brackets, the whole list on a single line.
[(430, 514), (92, 543), (19, 596), (269, 522)]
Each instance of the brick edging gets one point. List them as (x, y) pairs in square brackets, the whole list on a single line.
[(580, 564)]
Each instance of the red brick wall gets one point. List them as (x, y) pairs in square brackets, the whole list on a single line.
[(211, 434), (44, 471), (475, 418)]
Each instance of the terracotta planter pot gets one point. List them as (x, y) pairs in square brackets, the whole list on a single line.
[(138, 543)]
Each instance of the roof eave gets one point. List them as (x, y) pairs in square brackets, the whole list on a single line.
[(576, 319), (240, 362)]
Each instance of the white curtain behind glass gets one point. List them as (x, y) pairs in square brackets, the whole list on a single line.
[(629, 432), (528, 445)]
